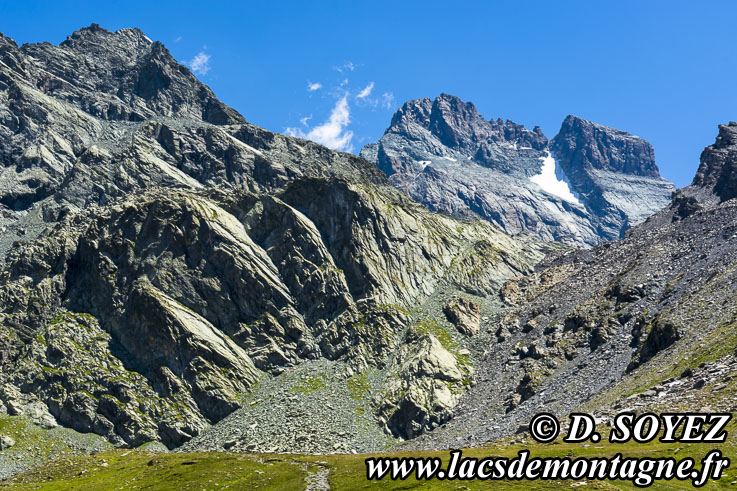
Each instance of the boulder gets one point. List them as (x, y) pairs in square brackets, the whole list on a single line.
[(464, 314), (6, 442)]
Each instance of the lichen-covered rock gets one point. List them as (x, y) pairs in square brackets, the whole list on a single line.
[(188, 296), (464, 314), (6, 442), (423, 384), (17, 403)]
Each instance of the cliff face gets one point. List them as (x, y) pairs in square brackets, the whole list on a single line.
[(583, 145), (161, 257), (613, 173), (589, 184), (718, 172)]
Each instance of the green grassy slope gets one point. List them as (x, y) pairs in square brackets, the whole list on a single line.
[(130, 469)]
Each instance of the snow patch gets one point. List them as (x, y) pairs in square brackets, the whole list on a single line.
[(549, 181), (424, 163)]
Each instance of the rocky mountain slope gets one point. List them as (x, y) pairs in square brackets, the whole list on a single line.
[(165, 262), (587, 185), (175, 277), (643, 323)]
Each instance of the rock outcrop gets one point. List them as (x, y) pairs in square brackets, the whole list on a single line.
[(424, 383), (464, 314), (588, 185), (6, 442), (716, 178)]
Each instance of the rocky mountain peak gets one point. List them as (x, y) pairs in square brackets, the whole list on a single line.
[(415, 112), (718, 168), (458, 124), (121, 75), (599, 182), (131, 41), (582, 144)]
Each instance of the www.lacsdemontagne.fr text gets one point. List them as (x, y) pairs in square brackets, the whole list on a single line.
[(642, 472)]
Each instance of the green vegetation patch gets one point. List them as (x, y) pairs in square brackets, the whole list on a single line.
[(359, 387), (310, 384), (141, 470), (431, 326)]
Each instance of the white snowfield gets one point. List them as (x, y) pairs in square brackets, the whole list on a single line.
[(549, 182)]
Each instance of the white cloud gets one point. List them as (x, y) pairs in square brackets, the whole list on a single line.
[(313, 87), (179, 38), (332, 133), (387, 100), (305, 119), (200, 64), (346, 67), (366, 91)]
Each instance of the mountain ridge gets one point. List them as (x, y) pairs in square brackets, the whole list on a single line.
[(444, 154)]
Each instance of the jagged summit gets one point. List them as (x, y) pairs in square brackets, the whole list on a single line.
[(129, 77), (98, 39), (588, 145), (589, 184), (718, 168), (716, 178), (458, 124)]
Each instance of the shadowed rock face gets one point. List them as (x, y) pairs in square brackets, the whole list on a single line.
[(613, 173), (718, 169), (445, 155), (159, 255), (583, 145), (716, 179), (132, 78)]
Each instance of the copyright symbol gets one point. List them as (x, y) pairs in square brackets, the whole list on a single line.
[(544, 427)]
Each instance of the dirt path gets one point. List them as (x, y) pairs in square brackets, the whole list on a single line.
[(318, 481)]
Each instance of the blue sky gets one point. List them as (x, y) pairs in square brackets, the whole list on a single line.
[(663, 70)]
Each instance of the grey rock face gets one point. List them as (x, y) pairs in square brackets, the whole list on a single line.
[(716, 179), (612, 172), (718, 171), (582, 145), (600, 181), (181, 300)]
